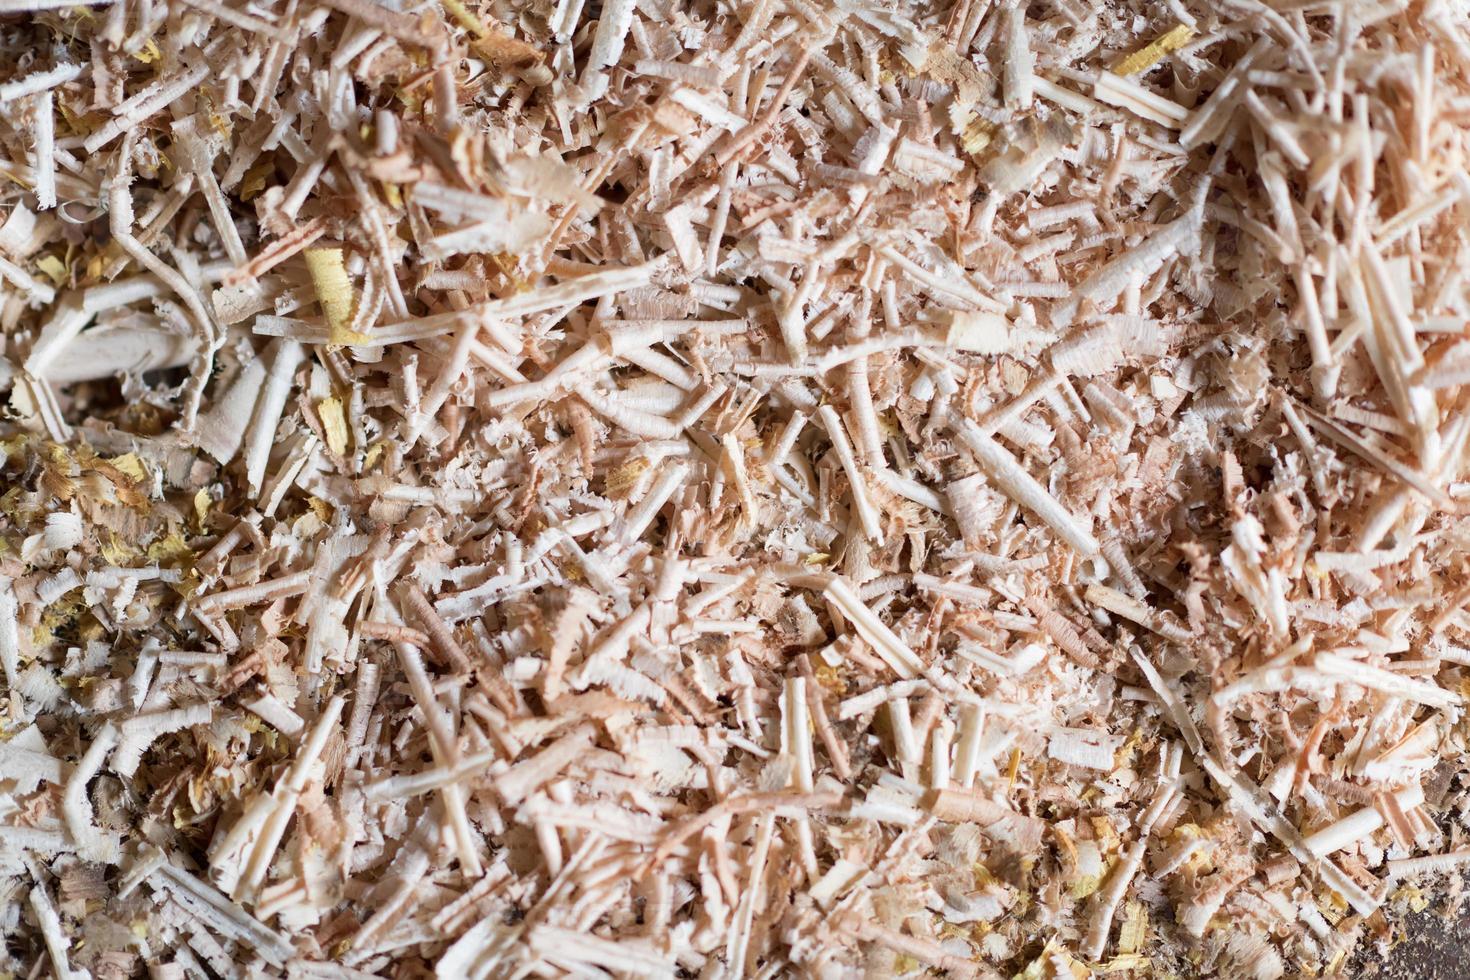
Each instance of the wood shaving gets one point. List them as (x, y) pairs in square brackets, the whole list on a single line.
[(738, 490)]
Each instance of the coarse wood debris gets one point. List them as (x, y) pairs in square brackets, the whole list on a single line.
[(759, 488)]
